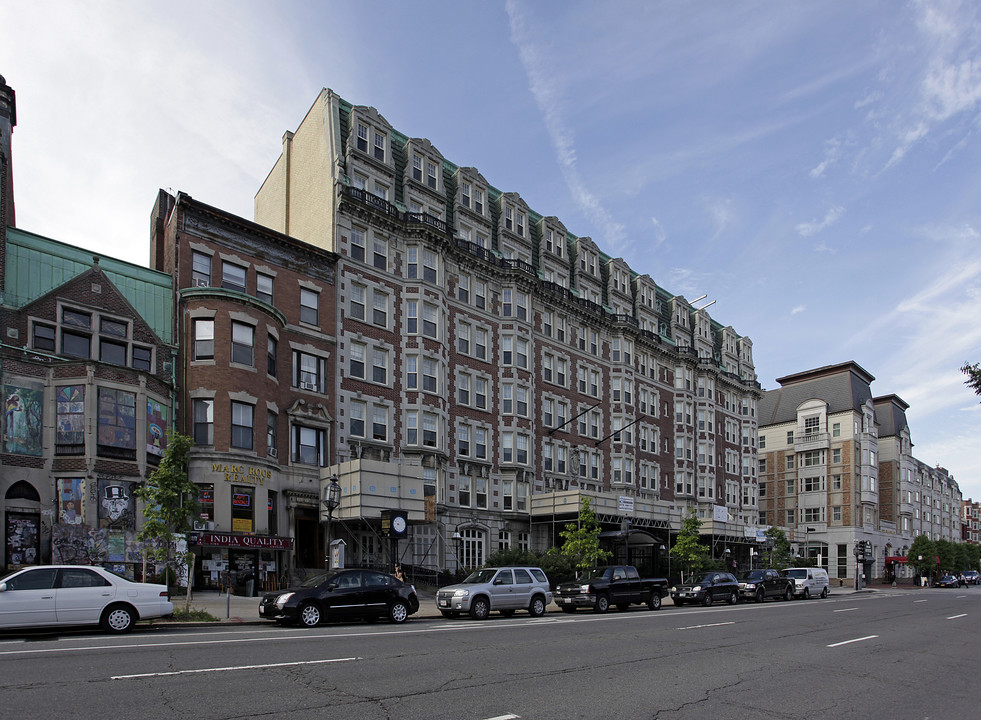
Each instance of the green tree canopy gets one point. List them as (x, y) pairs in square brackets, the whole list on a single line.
[(973, 373), (922, 555), (581, 539), (170, 501), (687, 549), (779, 553)]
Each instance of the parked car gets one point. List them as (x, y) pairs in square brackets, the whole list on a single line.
[(619, 585), (503, 589), (970, 577), (809, 582), (948, 581), (759, 585), (711, 586), (341, 595), (49, 595)]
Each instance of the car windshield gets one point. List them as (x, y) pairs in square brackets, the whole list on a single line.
[(480, 576), (797, 574), (749, 576), (319, 579), (592, 573), (705, 579)]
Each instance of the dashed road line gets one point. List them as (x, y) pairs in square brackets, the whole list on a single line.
[(228, 669), (855, 640)]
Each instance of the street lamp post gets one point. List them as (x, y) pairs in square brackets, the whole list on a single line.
[(330, 497), (752, 554), (807, 536)]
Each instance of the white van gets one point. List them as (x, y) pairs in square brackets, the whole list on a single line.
[(809, 582)]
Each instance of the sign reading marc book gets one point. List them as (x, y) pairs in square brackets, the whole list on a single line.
[(394, 523)]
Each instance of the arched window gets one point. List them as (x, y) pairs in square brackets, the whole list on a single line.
[(23, 490)]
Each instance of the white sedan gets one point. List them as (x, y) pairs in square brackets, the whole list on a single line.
[(49, 595)]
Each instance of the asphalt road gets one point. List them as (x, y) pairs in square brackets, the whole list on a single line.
[(891, 654)]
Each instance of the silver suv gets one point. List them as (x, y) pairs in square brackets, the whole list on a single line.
[(504, 589)]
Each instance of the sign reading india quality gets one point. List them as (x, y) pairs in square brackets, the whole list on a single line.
[(242, 474)]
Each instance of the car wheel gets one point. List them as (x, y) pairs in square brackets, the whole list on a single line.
[(537, 607), (824, 593), (449, 614), (788, 595), (733, 597), (760, 595), (309, 614), (654, 601), (398, 612), (479, 609), (707, 599), (807, 594), (568, 609), (602, 604), (507, 613), (117, 619)]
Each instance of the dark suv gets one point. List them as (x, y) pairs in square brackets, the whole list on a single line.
[(759, 585), (706, 589)]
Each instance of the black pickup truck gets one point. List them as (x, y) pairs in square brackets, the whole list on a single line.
[(617, 585), (759, 585)]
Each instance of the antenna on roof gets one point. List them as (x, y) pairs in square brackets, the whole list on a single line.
[(706, 305), (702, 297)]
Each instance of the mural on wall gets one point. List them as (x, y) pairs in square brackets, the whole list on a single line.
[(22, 417), (117, 506), (70, 495), (23, 538), (156, 428), (70, 426), (86, 545), (117, 419)]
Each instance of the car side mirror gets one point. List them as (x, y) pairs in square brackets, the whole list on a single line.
[(498, 581), (332, 586), (3, 587)]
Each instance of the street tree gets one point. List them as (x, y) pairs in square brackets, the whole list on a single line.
[(581, 539), (778, 549), (169, 505), (922, 556), (687, 549)]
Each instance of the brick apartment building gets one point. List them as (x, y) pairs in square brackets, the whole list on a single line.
[(505, 364), (836, 469)]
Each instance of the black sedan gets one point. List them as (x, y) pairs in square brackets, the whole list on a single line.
[(706, 589), (949, 581), (341, 595)]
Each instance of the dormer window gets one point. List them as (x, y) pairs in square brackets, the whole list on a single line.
[(379, 147), (478, 202), (508, 220), (431, 175), (465, 194), (521, 224), (417, 168)]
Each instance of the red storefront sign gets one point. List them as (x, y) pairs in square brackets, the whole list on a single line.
[(256, 542)]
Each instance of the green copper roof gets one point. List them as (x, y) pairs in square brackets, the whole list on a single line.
[(37, 265)]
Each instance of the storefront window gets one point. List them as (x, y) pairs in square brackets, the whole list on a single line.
[(243, 507)]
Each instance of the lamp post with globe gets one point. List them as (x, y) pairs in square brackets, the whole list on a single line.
[(330, 496)]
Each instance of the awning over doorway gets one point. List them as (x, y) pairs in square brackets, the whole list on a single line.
[(633, 537)]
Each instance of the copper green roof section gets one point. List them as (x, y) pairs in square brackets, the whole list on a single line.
[(37, 265)]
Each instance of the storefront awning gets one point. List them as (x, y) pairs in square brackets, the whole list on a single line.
[(633, 536), (895, 559)]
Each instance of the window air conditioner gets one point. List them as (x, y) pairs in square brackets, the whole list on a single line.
[(201, 282), (272, 452), (203, 525), (309, 386)]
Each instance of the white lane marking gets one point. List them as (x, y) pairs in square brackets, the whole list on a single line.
[(227, 669), (695, 627), (916, 601), (954, 617), (845, 610), (505, 717), (846, 642)]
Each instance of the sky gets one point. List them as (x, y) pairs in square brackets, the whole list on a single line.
[(811, 167)]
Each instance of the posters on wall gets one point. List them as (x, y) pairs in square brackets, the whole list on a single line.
[(86, 545), (23, 402), (23, 538), (156, 428)]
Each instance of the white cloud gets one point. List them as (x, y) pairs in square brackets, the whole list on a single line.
[(832, 150), (798, 310), (721, 213), (544, 84), (807, 229)]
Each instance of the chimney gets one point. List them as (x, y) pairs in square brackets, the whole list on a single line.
[(8, 118)]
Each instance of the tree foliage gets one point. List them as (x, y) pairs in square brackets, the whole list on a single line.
[(170, 502), (687, 549), (973, 373), (581, 539), (779, 553), (922, 555)]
